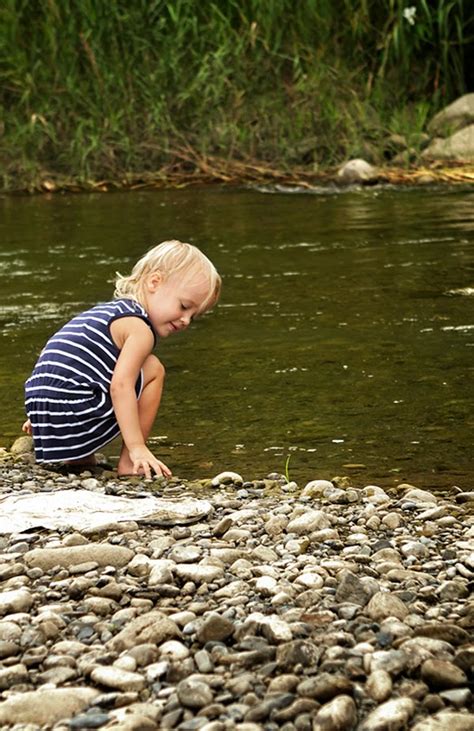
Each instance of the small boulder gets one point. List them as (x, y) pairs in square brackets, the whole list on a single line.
[(357, 171)]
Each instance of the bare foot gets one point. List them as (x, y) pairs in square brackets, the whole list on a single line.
[(125, 466)]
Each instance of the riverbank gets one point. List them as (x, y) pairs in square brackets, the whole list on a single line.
[(266, 605), (215, 171)]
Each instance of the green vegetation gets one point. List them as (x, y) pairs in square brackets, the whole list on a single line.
[(101, 89)]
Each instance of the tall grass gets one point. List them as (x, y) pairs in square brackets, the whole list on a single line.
[(98, 88)]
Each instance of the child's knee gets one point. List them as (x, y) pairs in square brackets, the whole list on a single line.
[(154, 369)]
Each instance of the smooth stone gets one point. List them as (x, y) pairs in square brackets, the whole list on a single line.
[(310, 520), (214, 627), (46, 706), (351, 588), (227, 478), (340, 714), (357, 171), (199, 573), (419, 496), (113, 677), (194, 693), (151, 627), (105, 554), (316, 488), (16, 600), (442, 674), (443, 631), (185, 554), (13, 675), (445, 721), (379, 685), (385, 604), (298, 652), (173, 650), (325, 686), (458, 697), (390, 716)]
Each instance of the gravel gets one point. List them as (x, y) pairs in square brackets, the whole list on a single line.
[(320, 607)]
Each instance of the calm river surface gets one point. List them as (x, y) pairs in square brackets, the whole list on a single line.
[(345, 335)]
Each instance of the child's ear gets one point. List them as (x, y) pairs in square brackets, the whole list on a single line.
[(154, 281)]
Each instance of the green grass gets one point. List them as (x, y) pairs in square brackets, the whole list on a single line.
[(97, 89)]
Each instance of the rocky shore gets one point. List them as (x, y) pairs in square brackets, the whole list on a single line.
[(268, 605)]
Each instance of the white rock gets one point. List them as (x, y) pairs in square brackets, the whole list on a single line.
[(310, 580), (445, 721), (17, 600), (340, 714), (43, 707), (199, 573), (161, 572), (375, 495), (113, 677), (390, 716), (357, 171), (379, 686), (311, 520), (174, 650), (316, 488), (266, 585), (227, 478)]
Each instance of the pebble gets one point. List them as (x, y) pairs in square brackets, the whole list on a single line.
[(329, 608)]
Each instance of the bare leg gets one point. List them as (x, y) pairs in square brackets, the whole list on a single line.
[(148, 404)]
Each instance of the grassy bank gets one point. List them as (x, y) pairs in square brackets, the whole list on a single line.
[(95, 90)]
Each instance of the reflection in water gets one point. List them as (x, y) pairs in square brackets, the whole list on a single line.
[(344, 336)]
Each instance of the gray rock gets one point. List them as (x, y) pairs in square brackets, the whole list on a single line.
[(385, 604), (460, 146), (13, 675), (456, 115), (351, 589), (298, 652), (194, 693)]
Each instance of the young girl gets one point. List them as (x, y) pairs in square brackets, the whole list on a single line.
[(96, 377)]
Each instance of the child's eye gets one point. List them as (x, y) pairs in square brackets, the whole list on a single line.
[(184, 307)]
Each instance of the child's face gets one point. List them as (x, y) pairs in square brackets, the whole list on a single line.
[(172, 303)]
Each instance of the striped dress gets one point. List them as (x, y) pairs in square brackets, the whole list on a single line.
[(67, 397)]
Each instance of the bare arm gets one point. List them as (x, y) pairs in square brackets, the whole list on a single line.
[(135, 340)]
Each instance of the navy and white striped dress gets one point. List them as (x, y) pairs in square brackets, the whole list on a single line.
[(67, 397)]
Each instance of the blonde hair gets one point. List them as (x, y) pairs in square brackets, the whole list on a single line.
[(169, 257)]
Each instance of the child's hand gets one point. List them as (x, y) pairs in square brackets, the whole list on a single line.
[(27, 427), (144, 462)]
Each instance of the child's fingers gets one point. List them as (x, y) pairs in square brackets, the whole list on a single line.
[(164, 470), (26, 427)]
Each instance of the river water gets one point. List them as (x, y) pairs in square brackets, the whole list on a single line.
[(344, 339)]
